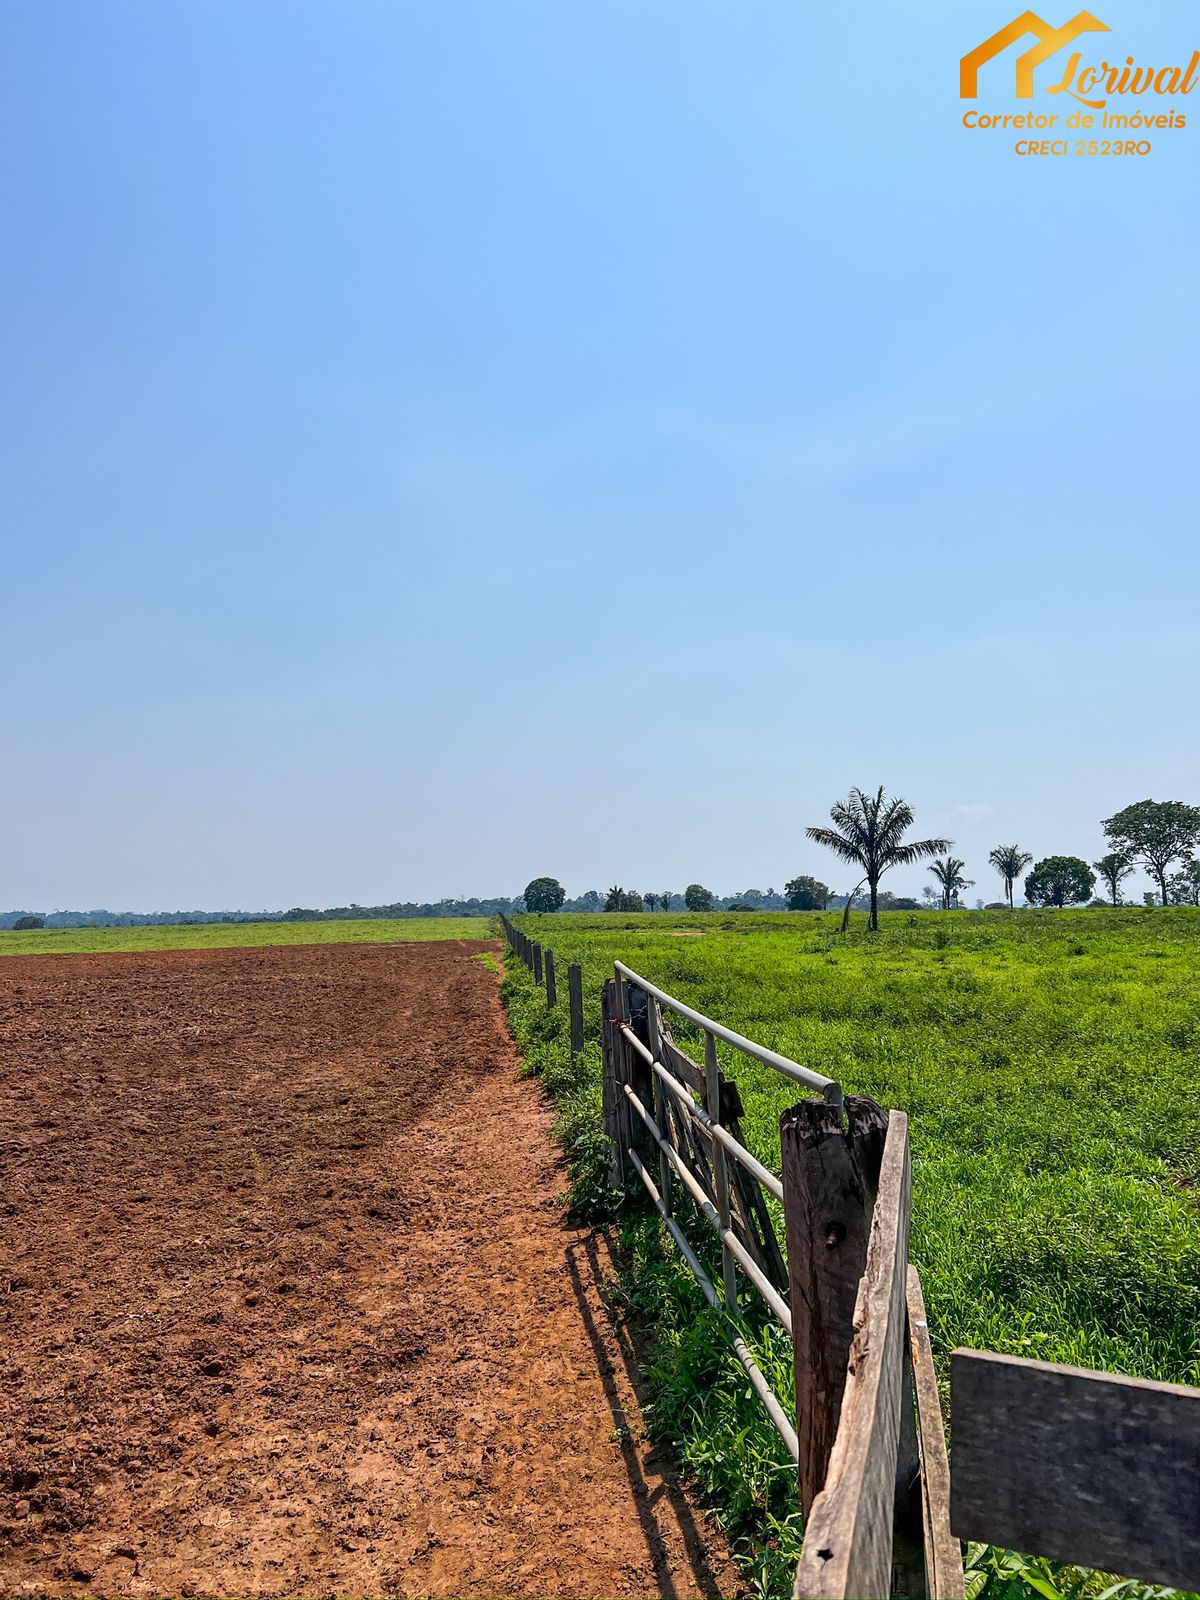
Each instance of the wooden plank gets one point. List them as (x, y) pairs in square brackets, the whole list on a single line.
[(830, 1175), (575, 996), (848, 1532), (683, 1067), (660, 1108), (612, 1097), (908, 1534), (551, 991), (943, 1553), (712, 1098), (1087, 1467), (689, 1140)]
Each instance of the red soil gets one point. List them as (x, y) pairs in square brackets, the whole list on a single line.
[(288, 1301)]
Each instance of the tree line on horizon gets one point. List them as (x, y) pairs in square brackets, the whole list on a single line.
[(869, 832), (1161, 836)]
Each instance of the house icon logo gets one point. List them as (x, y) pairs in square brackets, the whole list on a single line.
[(1049, 42)]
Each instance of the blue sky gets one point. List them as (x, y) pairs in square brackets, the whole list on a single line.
[(446, 443)]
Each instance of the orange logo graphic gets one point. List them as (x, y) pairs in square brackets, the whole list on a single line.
[(1049, 39)]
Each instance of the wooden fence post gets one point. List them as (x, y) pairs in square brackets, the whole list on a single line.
[(537, 962), (830, 1179), (613, 1094), (633, 1130), (551, 991), (849, 1546), (712, 1096), (575, 996)]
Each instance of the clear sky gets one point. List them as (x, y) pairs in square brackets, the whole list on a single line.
[(445, 443)]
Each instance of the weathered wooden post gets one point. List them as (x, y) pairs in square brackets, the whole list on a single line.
[(537, 962), (633, 1006), (661, 1113), (712, 1095), (852, 1547), (575, 995), (551, 991), (830, 1179), (611, 1045)]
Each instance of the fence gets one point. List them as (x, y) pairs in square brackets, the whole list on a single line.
[(884, 1514)]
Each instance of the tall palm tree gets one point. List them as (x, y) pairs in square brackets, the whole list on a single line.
[(868, 830), (949, 873), (1010, 862)]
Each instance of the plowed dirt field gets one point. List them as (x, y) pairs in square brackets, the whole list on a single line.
[(288, 1304)]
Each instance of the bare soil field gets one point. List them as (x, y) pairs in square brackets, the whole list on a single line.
[(288, 1301)]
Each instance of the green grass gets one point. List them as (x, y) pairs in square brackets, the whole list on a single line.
[(231, 935), (1050, 1066)]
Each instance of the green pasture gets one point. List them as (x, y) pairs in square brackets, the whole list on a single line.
[(1049, 1063), (231, 935)]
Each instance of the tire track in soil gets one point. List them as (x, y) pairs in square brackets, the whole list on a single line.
[(287, 1299)]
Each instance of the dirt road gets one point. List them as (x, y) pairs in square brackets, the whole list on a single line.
[(287, 1300)]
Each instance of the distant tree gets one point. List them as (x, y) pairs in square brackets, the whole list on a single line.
[(651, 900), (1185, 885), (896, 902), (623, 900), (697, 898), (1149, 898), (806, 893), (665, 897), (1157, 833), (589, 901), (1113, 869), (1060, 881), (868, 830), (1010, 862), (930, 897), (544, 894), (27, 924), (948, 870), (740, 905)]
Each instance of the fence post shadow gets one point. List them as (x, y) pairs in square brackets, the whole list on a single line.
[(645, 1497)]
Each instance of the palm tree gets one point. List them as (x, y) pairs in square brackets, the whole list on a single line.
[(650, 900), (665, 899), (867, 830), (1114, 868), (1010, 862), (949, 874)]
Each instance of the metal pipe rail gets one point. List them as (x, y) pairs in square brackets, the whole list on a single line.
[(746, 1261), (828, 1087), (753, 1371), (738, 1151), (740, 1154)]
